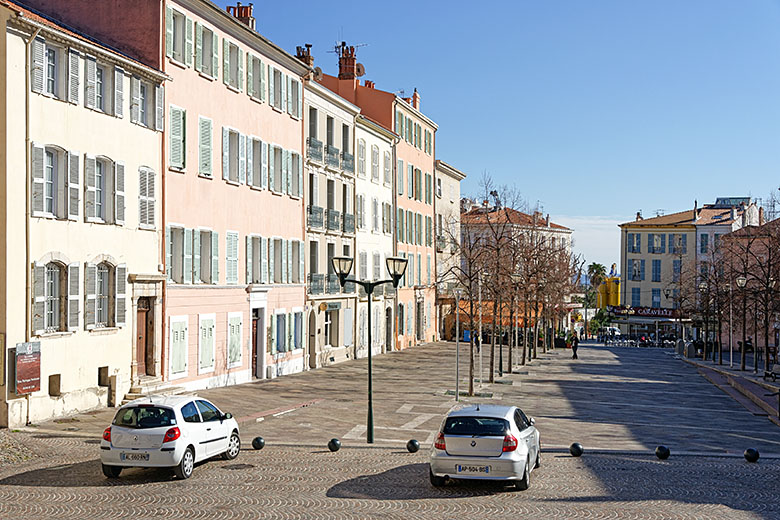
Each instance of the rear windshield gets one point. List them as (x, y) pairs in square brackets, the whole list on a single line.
[(144, 417), (475, 426)]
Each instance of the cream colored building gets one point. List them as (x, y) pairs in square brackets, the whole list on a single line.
[(80, 247)]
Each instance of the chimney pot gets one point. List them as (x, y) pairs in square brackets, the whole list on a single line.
[(638, 215), (416, 99), (347, 62), (304, 54), (242, 13)]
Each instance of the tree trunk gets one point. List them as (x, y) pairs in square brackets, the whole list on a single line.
[(511, 334), (471, 345), (525, 331), (493, 344)]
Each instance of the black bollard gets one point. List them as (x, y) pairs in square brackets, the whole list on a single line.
[(334, 445), (751, 455), (576, 449), (258, 443), (662, 452), (413, 446)]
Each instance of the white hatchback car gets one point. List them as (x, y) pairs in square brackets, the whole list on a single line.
[(174, 431), (486, 442)]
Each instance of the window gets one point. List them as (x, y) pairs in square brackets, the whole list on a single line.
[(233, 73), (636, 269), (278, 254), (676, 268), (278, 157), (410, 181), (361, 212), (294, 97), (377, 266), (178, 146), (388, 168), (146, 202), (281, 332), (374, 215), (205, 263), (312, 123), (678, 243), (206, 51), (190, 413), (656, 298), (297, 262), (656, 270), (231, 257), (207, 411), (298, 330), (100, 88), (636, 297), (142, 99), (295, 174), (400, 179), (50, 182), (176, 37), (634, 243), (410, 269), (105, 198), (53, 295), (374, 163), (51, 70), (428, 270), (363, 265), (361, 157), (345, 147), (257, 163), (103, 295), (704, 244), (276, 90), (233, 155), (255, 83), (438, 187)]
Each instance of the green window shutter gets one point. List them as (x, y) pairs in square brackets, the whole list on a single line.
[(263, 260), (225, 153), (120, 296), (198, 47), (215, 258), (90, 293), (299, 109), (196, 275), (168, 32), (273, 334), (271, 274), (177, 143), (188, 44), (240, 70), (250, 75), (187, 256), (264, 165), (225, 61), (300, 174), (241, 159), (250, 162), (289, 261), (249, 267), (410, 181), (263, 83), (73, 297), (400, 180), (271, 164), (283, 104), (204, 146), (289, 82), (270, 86), (301, 265), (168, 253), (214, 55)]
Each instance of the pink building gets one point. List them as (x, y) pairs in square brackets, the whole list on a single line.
[(232, 188)]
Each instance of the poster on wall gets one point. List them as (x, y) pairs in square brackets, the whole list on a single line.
[(28, 367)]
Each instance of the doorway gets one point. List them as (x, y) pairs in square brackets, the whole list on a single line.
[(388, 329), (420, 321), (312, 340), (258, 343), (144, 353)]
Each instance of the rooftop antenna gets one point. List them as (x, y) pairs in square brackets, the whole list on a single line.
[(339, 47), (402, 93)]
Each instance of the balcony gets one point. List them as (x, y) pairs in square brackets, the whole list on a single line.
[(316, 283), (331, 156), (334, 220), (348, 162), (361, 292), (389, 291), (349, 223), (349, 288), (333, 286), (314, 216), (441, 243), (314, 149)]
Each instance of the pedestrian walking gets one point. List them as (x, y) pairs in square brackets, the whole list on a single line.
[(574, 344)]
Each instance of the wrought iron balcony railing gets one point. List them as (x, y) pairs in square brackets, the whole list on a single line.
[(314, 217), (316, 283), (334, 220), (349, 223), (348, 162), (331, 156), (315, 149), (333, 286)]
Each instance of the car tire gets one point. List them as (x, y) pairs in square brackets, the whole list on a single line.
[(184, 469), (111, 471), (234, 447), (538, 458), (435, 481), (525, 482)]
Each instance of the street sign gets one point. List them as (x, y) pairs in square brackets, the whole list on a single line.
[(28, 367)]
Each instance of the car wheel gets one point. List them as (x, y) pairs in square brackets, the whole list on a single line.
[(538, 458), (524, 482), (187, 464), (111, 471), (234, 446), (435, 481)]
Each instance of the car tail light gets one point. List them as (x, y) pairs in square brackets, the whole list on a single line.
[(510, 443), (440, 444), (172, 434), (107, 434)]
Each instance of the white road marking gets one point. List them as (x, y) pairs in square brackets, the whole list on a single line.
[(417, 421)]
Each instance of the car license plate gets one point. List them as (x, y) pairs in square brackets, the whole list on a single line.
[(473, 469), (134, 456)]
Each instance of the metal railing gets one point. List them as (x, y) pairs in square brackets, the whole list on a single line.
[(316, 283), (315, 149), (334, 220), (332, 156), (349, 223), (314, 217), (333, 286), (348, 162), (389, 291), (349, 288)]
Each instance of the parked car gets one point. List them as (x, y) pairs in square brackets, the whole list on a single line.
[(174, 432), (486, 442)]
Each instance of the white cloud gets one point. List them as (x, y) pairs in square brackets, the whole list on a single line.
[(596, 238)]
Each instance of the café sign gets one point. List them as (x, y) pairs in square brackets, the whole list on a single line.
[(645, 312)]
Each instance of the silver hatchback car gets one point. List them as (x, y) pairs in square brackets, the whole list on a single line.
[(486, 442)]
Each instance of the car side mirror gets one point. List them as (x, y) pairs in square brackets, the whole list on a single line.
[(227, 416), (531, 421)]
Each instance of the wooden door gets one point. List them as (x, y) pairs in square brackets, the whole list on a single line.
[(254, 343), (140, 353)]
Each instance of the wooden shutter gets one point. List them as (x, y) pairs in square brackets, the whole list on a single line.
[(215, 257), (90, 91), (299, 113), (286, 184), (196, 274), (90, 190), (119, 92), (250, 75), (289, 107), (198, 47), (39, 298), (188, 43), (264, 165), (38, 64), (159, 112), (263, 82), (250, 162), (289, 261), (204, 146), (187, 267), (178, 121), (214, 55), (225, 153), (271, 165), (90, 293), (169, 32), (248, 256), (119, 193), (283, 103), (271, 273), (169, 253), (150, 202), (240, 83), (73, 185), (271, 83), (37, 167), (135, 98), (73, 76), (273, 334), (241, 159), (263, 260), (225, 61), (72, 309), (120, 296), (301, 266)]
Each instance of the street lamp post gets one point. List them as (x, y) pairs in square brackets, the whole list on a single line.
[(731, 327), (741, 282), (396, 267), (706, 303), (457, 344)]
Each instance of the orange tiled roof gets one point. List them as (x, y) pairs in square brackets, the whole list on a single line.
[(478, 215), (707, 215)]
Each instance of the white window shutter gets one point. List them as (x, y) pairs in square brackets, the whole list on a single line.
[(198, 46), (90, 292), (188, 43), (271, 273), (241, 159), (299, 109), (215, 257), (168, 32), (74, 187), (159, 100), (249, 266), (119, 92), (285, 188), (283, 104), (168, 253), (271, 161), (225, 61), (250, 162), (38, 155), (214, 55), (263, 260), (90, 190), (273, 334), (264, 165), (73, 76), (289, 261), (187, 256), (204, 146), (150, 202), (178, 121), (119, 193), (240, 70), (300, 174), (39, 298), (120, 305), (38, 63), (250, 75), (135, 98), (72, 309), (225, 152), (284, 261), (289, 81), (271, 83), (263, 82), (196, 274), (91, 85)]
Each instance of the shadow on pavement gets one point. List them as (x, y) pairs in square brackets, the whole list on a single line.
[(409, 482), (85, 474)]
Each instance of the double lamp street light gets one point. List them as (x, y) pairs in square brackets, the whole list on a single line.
[(396, 266)]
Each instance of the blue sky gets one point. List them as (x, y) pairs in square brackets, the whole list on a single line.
[(596, 109)]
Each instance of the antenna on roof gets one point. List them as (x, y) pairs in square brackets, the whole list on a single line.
[(402, 93)]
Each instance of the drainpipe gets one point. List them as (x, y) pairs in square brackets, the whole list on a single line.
[(163, 177)]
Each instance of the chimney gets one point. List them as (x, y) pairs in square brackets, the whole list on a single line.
[(304, 54), (638, 216), (416, 99), (369, 84), (242, 13), (547, 220), (347, 62), (695, 210)]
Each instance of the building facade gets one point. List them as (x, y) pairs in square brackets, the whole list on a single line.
[(81, 287)]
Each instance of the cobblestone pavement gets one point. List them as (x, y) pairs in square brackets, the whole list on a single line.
[(618, 402)]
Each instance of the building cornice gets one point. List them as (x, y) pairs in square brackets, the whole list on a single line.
[(399, 101), (373, 126), (449, 170), (331, 96)]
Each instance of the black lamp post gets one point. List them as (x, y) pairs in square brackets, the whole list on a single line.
[(706, 305), (741, 283), (396, 267)]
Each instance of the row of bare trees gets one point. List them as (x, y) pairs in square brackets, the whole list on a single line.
[(522, 268)]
